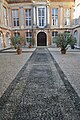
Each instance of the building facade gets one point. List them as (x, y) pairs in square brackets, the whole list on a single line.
[(76, 22), (38, 19)]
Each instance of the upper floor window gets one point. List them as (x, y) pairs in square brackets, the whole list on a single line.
[(55, 16), (28, 17), (5, 15), (41, 17), (67, 17), (66, 12), (15, 17)]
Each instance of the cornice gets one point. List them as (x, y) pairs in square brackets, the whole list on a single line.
[(20, 1)]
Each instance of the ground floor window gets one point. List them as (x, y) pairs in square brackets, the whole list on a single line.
[(54, 34), (1, 40), (8, 42), (28, 38), (76, 37)]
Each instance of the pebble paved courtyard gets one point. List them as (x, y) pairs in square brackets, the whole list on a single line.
[(40, 91)]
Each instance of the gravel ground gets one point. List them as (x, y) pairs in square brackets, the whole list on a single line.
[(39, 92), (70, 64), (10, 65)]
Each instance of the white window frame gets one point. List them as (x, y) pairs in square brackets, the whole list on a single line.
[(67, 16), (53, 43), (28, 18), (76, 37), (29, 36), (41, 7), (15, 16), (55, 18), (8, 39), (5, 15), (67, 21), (1, 40)]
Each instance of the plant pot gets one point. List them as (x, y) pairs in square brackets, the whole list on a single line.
[(30, 46), (72, 46), (19, 51), (63, 51)]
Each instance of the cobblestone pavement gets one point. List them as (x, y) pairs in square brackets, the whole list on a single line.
[(40, 91)]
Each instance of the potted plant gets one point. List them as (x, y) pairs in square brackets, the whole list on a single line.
[(17, 42), (63, 40), (31, 42)]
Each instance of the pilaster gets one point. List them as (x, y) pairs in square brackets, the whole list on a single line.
[(34, 16), (48, 15), (21, 20), (61, 16), (4, 39)]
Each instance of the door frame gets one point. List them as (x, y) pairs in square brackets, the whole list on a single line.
[(45, 37)]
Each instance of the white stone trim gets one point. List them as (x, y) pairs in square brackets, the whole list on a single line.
[(37, 16), (46, 36)]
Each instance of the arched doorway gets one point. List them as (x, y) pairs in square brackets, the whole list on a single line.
[(41, 39)]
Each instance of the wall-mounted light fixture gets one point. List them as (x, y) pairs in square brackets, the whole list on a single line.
[(33, 1), (16, 31), (28, 30)]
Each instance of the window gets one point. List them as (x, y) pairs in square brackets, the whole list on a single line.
[(67, 17), (54, 34), (76, 37), (28, 37), (55, 16), (1, 40), (41, 17), (28, 17), (5, 16), (8, 39), (15, 17)]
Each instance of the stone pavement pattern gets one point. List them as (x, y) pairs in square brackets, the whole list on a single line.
[(38, 93)]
